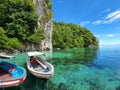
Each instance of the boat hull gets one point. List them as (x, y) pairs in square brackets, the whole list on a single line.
[(10, 83), (47, 76), (41, 74)]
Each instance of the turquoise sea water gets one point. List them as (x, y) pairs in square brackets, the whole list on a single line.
[(77, 69)]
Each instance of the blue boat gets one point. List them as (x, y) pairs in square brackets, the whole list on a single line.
[(10, 73)]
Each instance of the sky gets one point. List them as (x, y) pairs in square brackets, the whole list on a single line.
[(101, 17)]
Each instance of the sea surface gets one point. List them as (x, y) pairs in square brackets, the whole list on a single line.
[(77, 69)]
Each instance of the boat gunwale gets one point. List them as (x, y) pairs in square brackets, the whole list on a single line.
[(41, 72), (13, 84)]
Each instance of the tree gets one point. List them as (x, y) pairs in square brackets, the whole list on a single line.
[(38, 36), (3, 38), (72, 35), (8, 43), (14, 43), (18, 18)]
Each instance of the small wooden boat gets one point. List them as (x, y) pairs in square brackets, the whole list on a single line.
[(38, 66), (10, 73)]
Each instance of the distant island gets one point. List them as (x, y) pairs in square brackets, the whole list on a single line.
[(72, 35), (23, 28)]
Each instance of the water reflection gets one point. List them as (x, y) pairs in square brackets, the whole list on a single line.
[(74, 56), (74, 70)]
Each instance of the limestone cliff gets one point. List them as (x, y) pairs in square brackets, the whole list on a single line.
[(44, 12)]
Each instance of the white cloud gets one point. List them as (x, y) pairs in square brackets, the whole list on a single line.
[(113, 14), (104, 11), (97, 22), (107, 35), (84, 23), (110, 18), (109, 42), (112, 35)]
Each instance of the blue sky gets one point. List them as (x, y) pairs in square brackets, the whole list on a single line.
[(102, 17)]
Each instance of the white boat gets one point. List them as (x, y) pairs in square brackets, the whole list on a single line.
[(38, 66)]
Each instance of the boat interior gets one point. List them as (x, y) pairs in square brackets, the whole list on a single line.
[(5, 71), (39, 65), (36, 66), (4, 75)]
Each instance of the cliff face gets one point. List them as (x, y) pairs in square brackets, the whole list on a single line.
[(45, 21)]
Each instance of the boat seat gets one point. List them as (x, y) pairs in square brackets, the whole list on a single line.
[(45, 67)]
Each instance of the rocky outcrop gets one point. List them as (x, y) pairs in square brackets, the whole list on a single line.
[(46, 24)]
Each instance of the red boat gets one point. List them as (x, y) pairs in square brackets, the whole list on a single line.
[(10, 73)]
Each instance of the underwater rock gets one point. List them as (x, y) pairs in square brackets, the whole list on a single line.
[(62, 86), (118, 88)]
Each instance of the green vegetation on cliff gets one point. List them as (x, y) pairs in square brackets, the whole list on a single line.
[(18, 20), (48, 14), (18, 25), (71, 35), (8, 43)]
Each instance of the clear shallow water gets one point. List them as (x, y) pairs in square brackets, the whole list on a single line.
[(77, 69)]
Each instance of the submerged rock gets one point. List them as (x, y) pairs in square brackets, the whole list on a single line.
[(62, 86)]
